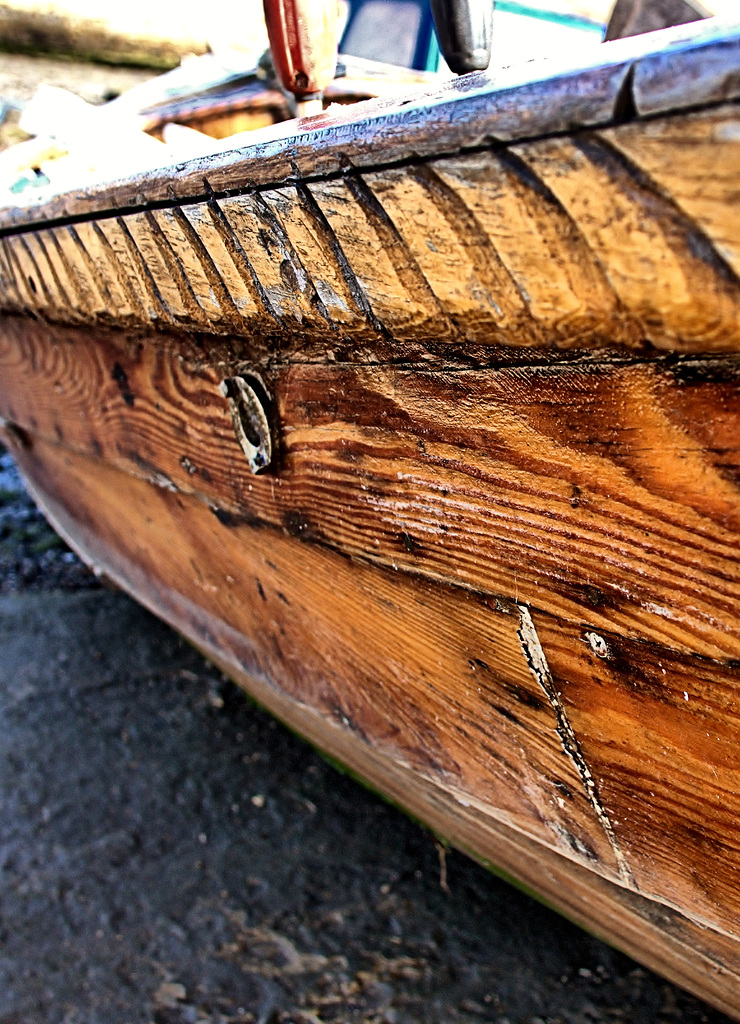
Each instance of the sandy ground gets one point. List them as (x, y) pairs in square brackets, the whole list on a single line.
[(169, 854)]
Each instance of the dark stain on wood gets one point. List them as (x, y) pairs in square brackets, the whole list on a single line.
[(120, 376)]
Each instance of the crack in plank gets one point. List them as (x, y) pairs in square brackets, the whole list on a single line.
[(537, 662)]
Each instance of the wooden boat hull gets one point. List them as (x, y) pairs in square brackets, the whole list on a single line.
[(492, 565)]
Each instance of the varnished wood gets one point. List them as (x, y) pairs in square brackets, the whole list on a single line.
[(493, 560), (578, 488), (602, 496)]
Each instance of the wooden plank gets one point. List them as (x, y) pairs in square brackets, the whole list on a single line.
[(434, 677), (386, 272), (322, 642), (60, 277), (576, 242), (658, 86), (132, 272), (668, 754), (286, 289), (195, 270), (462, 114), (692, 160), (152, 251), (322, 259), (89, 286), (561, 285), (222, 251), (453, 256), (602, 493), (663, 269)]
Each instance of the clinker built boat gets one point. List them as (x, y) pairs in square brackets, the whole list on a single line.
[(421, 419)]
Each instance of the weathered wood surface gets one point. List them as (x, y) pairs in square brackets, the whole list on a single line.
[(581, 488), (494, 563), (583, 241), (602, 496), (629, 76)]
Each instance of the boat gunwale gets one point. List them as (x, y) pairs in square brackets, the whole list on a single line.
[(637, 78)]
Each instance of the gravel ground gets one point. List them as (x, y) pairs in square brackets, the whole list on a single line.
[(32, 556), (169, 854)]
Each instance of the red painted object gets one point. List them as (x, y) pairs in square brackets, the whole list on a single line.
[(303, 39)]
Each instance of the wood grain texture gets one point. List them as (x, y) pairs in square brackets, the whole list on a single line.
[(586, 241), (245, 596), (494, 562), (521, 102), (658, 87), (653, 779), (579, 524), (700, 180), (603, 493)]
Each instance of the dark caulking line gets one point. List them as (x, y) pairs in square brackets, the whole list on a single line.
[(241, 261), (350, 278), (68, 306), (488, 265), (539, 668), (92, 267), (122, 277), (37, 275), (291, 260), (609, 157), (155, 297), (178, 275), (223, 296), (408, 270)]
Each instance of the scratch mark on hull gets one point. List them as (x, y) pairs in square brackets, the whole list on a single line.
[(537, 662)]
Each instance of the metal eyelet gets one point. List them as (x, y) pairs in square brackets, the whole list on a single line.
[(248, 398)]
